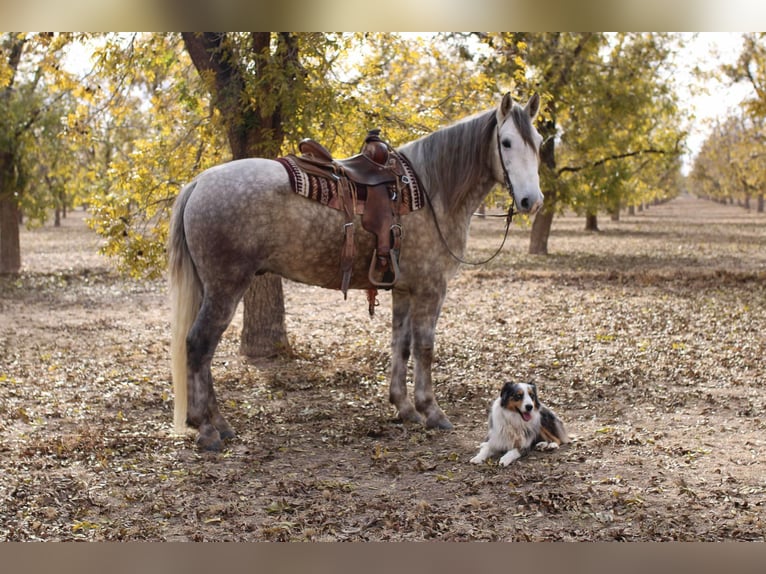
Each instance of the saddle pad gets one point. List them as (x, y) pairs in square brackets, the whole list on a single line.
[(325, 190)]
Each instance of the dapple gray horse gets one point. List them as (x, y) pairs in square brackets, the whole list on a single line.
[(240, 219)]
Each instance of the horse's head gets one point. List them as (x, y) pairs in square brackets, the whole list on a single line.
[(518, 146)]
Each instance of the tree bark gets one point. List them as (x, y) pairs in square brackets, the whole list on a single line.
[(264, 333), (10, 247), (251, 133), (760, 203), (57, 198), (591, 222), (541, 226), (541, 230), (615, 213)]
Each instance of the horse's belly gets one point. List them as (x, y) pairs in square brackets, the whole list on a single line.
[(311, 252)]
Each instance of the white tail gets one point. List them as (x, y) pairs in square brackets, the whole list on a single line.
[(185, 300)]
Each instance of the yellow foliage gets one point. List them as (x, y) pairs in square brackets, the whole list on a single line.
[(156, 129), (144, 124)]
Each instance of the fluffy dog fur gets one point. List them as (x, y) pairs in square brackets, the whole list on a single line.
[(517, 422)]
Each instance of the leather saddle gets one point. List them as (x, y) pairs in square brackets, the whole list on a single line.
[(371, 184), (370, 167)]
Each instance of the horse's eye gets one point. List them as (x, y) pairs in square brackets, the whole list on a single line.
[(506, 143)]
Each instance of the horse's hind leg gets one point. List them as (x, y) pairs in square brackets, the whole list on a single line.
[(203, 338), (401, 343)]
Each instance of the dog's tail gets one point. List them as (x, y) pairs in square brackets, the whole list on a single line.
[(552, 428)]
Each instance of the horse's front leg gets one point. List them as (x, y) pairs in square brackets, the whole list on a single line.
[(424, 314), (401, 343)]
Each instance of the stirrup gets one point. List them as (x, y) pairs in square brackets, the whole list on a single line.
[(394, 269)]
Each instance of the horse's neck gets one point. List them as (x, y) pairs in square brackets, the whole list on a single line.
[(461, 211), (454, 221), (450, 202), (477, 197), (453, 206)]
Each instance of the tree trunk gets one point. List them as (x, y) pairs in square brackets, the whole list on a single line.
[(631, 210), (10, 247), (615, 213), (541, 226), (760, 203), (591, 222), (251, 133), (541, 230), (264, 333)]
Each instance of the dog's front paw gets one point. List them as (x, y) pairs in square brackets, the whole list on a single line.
[(482, 455), (546, 446), (509, 457)]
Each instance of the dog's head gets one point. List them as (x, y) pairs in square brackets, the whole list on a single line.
[(520, 398)]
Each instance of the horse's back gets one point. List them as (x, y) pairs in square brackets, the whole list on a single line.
[(237, 183), (243, 215)]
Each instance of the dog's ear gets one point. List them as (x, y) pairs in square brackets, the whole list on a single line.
[(506, 392), (533, 388)]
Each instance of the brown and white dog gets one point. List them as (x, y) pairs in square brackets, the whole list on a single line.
[(517, 422)]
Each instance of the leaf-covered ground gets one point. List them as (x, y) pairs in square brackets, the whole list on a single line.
[(648, 339)]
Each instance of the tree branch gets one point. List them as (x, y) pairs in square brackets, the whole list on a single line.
[(210, 55), (605, 160)]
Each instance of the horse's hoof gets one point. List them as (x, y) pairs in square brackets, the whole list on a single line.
[(210, 445), (227, 434), (410, 416), (440, 422), (210, 439)]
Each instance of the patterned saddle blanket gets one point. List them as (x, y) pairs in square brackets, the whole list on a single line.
[(325, 189)]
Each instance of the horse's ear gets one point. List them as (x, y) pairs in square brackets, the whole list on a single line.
[(505, 106), (533, 106)]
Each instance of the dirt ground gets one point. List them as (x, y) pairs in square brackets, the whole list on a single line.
[(647, 338)]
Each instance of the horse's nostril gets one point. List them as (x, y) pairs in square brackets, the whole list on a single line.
[(525, 203)]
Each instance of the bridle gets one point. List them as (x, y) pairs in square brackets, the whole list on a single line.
[(507, 178)]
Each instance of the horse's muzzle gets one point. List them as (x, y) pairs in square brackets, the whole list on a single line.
[(528, 205)]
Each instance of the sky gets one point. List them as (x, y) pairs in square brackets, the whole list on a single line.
[(712, 99)]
